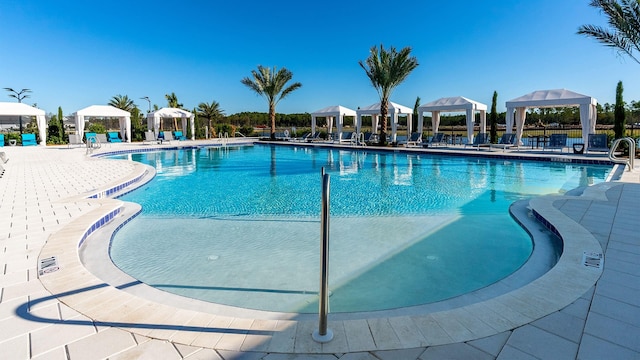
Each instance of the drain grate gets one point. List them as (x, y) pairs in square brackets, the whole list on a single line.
[(592, 259), (48, 265)]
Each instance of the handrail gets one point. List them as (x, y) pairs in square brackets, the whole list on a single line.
[(323, 334), (632, 152)]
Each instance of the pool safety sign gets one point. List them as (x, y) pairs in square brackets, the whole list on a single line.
[(592, 259), (48, 265)]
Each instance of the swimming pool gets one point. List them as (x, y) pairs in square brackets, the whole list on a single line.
[(240, 225)]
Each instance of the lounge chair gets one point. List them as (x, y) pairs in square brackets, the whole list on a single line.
[(75, 139), (557, 141), (479, 141), (167, 136), (179, 136), (101, 139), (113, 137), (347, 137), (437, 139), (29, 140), (150, 136), (314, 137), (369, 138), (506, 141), (415, 139), (1, 140), (597, 142), (90, 137)]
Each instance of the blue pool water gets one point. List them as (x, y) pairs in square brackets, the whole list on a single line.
[(240, 225)]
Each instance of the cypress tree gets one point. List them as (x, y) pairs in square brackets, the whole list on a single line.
[(63, 134), (493, 119), (618, 113)]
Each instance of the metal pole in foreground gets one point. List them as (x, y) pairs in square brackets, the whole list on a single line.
[(323, 334)]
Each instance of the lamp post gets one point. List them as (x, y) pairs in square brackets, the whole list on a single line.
[(149, 101), (19, 95)]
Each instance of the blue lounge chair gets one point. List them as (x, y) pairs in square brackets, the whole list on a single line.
[(1, 140), (29, 140), (479, 141), (113, 137), (597, 142), (90, 137), (437, 139), (179, 136), (557, 141), (506, 141), (415, 139)]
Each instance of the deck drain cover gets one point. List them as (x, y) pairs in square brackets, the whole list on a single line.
[(592, 259), (48, 265)]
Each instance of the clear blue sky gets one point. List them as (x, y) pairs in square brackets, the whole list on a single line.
[(79, 53)]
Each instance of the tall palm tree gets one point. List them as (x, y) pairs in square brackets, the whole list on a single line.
[(270, 83), (210, 111), (624, 20), (122, 102), (172, 101), (387, 70)]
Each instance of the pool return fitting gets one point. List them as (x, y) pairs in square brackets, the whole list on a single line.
[(323, 334)]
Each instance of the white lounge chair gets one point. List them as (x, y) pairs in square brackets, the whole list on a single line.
[(75, 140)]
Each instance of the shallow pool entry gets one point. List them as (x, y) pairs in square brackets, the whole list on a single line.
[(240, 226)]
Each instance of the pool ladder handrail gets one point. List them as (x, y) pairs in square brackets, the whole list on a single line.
[(224, 138), (632, 152)]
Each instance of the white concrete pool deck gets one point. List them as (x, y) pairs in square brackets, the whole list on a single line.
[(574, 311)]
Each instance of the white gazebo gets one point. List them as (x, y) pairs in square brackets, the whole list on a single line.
[(153, 119), (331, 113), (20, 109), (394, 111), (454, 104), (105, 111), (553, 98)]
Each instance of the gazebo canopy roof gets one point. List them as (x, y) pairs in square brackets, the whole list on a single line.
[(551, 98), (393, 108), (452, 104), (333, 111), (103, 111), (14, 108), (170, 113)]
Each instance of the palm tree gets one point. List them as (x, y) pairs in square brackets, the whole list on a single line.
[(271, 85), (172, 101), (210, 112), (122, 102), (387, 70), (624, 20)]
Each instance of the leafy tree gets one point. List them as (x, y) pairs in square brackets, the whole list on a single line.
[(270, 83), (387, 70), (122, 102), (172, 101), (138, 124), (210, 112), (623, 17), (619, 113), (493, 119)]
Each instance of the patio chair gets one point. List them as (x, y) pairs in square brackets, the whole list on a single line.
[(29, 140), (369, 138), (167, 136), (480, 140), (314, 137), (506, 141), (101, 139), (179, 136), (1, 140), (415, 139), (348, 137), (75, 140), (90, 137), (557, 141), (597, 142), (437, 139), (113, 137), (149, 137)]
